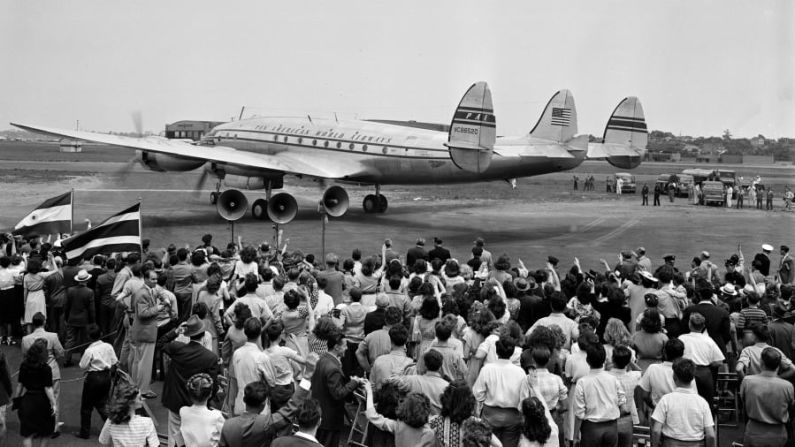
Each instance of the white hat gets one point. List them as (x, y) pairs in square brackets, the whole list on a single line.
[(647, 275), (82, 276), (728, 289), (767, 247)]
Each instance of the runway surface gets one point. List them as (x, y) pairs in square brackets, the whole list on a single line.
[(541, 217)]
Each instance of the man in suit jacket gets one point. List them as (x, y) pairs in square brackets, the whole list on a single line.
[(331, 388), (718, 323), (308, 419), (186, 360), (254, 429), (143, 332), (415, 253), (438, 252), (79, 312)]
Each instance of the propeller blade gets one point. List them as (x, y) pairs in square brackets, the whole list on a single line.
[(197, 190), (127, 168), (138, 123)]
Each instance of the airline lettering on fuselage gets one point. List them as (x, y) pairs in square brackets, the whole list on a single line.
[(469, 130)]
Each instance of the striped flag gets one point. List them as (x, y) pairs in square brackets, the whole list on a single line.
[(561, 116), (119, 233), (52, 216)]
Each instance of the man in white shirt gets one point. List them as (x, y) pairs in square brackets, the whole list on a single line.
[(97, 361), (250, 363), (599, 400), (755, 340), (557, 303), (658, 380), (430, 383), (683, 415), (497, 390), (705, 354)]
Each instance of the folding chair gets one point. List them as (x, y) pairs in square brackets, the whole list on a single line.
[(641, 436), (727, 401), (359, 423)]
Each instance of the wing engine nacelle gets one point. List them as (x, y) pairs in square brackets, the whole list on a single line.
[(164, 163), (624, 161)]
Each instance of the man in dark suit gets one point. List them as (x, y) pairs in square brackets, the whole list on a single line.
[(331, 388), (186, 360), (254, 429), (416, 252), (308, 418), (717, 321), (439, 252), (79, 312)]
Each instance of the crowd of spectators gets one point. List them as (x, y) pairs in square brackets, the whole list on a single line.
[(254, 341)]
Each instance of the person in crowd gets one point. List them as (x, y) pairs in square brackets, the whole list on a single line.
[(200, 426), (705, 354), (143, 333), (55, 351), (235, 337), (786, 266), (411, 429), (751, 315), (325, 302), (335, 280), (308, 418), (431, 383), (35, 302), (496, 388), (250, 364), (54, 291), (187, 359), (97, 361), (38, 405), (782, 332), (6, 391), (378, 343), (330, 387), (182, 283), (549, 387), (167, 319), (424, 325), (212, 297), (297, 319), (476, 433), (557, 303), (650, 340), (79, 313), (417, 252), (629, 381), (716, 319), (10, 315), (536, 429), (458, 406), (615, 335), (259, 309), (682, 417), (453, 366), (599, 401), (756, 340), (657, 380), (374, 319), (124, 427), (396, 361), (285, 361), (767, 398)]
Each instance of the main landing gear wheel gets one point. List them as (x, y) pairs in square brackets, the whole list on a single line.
[(370, 204), (383, 203), (214, 198), (260, 209)]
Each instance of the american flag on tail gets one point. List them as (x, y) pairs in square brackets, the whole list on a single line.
[(52, 216), (118, 233), (561, 116)]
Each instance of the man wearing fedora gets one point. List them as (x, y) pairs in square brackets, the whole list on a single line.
[(781, 332), (186, 360), (79, 313)]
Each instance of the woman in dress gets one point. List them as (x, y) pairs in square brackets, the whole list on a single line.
[(616, 334), (200, 426), (247, 264), (425, 325), (33, 283), (298, 319), (411, 426), (37, 405), (124, 427), (649, 341), (212, 297), (368, 278)]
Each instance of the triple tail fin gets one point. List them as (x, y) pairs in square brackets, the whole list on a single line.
[(627, 125), (559, 120), (473, 130)]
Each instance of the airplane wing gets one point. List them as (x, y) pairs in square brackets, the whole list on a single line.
[(605, 150), (282, 161)]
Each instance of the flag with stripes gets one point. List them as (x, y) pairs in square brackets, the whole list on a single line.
[(561, 116), (52, 216), (118, 233)]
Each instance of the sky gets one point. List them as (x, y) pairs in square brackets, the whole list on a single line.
[(698, 67)]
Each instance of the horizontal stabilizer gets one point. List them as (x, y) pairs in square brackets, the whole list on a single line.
[(284, 162), (606, 150), (473, 130), (559, 120)]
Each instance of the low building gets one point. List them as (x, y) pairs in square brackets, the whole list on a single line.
[(70, 146), (188, 129)]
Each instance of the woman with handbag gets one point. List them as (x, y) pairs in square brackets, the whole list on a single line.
[(35, 399)]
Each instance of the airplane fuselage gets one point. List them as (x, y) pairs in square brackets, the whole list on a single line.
[(390, 154)]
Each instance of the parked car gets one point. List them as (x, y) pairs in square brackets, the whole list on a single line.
[(712, 193), (628, 182)]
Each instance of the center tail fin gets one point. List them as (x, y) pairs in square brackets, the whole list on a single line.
[(559, 120), (473, 130)]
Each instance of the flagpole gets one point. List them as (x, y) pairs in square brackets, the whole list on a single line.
[(140, 227), (72, 222)]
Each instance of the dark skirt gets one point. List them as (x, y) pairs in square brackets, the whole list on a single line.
[(7, 303), (35, 414)]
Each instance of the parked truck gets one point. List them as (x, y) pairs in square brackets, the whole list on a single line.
[(712, 193)]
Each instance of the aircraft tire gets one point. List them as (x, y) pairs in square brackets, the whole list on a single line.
[(370, 204), (213, 198), (383, 204), (260, 209)]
